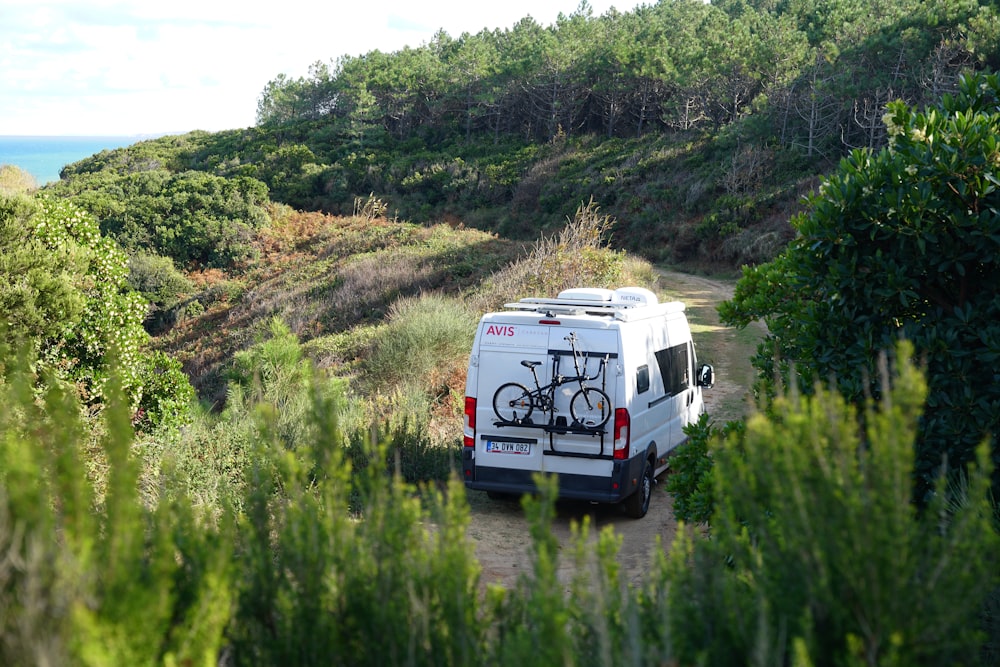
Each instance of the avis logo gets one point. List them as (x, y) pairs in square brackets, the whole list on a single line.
[(500, 330)]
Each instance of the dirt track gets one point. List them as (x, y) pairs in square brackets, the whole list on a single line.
[(499, 529)]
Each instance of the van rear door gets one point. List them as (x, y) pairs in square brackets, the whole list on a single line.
[(503, 344), (502, 349)]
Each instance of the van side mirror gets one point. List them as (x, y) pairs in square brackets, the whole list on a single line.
[(706, 376)]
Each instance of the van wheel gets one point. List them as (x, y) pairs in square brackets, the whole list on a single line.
[(637, 504)]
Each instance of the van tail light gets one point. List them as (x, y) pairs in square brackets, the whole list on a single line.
[(622, 423), (469, 439)]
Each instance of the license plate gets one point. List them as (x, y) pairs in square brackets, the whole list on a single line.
[(505, 447)]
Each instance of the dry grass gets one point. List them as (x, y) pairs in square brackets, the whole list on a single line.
[(578, 255)]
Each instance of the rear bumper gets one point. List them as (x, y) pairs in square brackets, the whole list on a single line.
[(623, 481)]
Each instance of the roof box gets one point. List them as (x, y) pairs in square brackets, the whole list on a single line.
[(634, 296), (595, 294)]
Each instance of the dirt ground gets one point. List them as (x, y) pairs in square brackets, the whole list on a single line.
[(498, 527)]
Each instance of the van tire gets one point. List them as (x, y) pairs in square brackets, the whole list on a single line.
[(637, 504)]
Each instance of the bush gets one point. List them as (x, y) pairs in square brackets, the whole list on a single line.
[(157, 279), (818, 554), (904, 242), (166, 396), (192, 217), (426, 343), (97, 579), (690, 479)]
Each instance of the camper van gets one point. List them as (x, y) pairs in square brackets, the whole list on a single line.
[(594, 386)]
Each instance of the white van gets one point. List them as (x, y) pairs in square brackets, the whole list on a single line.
[(594, 386)]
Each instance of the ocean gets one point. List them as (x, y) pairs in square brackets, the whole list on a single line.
[(44, 157)]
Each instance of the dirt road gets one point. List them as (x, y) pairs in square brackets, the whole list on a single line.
[(499, 529)]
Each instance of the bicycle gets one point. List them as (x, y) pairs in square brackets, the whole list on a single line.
[(590, 407)]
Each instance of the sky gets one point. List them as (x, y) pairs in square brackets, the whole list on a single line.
[(149, 67)]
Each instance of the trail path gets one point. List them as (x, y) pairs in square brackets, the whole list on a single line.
[(499, 529)]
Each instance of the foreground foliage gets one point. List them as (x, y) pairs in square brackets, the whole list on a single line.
[(817, 556)]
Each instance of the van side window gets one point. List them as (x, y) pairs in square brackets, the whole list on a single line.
[(674, 364), (642, 379)]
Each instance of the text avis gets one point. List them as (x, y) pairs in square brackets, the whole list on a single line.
[(500, 330)]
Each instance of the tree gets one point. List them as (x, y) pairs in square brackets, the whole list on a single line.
[(904, 243), (66, 301)]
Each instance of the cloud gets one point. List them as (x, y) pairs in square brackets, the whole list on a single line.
[(104, 67)]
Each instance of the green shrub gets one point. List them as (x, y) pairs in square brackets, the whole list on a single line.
[(426, 343), (205, 462), (97, 579), (192, 217), (319, 551), (157, 279), (167, 394), (903, 242), (690, 479), (323, 586), (818, 554), (64, 290)]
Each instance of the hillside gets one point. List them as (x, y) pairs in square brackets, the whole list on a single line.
[(699, 127)]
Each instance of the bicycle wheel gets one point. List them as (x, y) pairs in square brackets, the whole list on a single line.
[(590, 407), (512, 402)]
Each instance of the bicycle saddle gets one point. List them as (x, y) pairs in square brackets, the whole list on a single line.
[(530, 364)]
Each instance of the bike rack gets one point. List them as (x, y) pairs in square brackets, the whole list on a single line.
[(552, 428), (562, 429)]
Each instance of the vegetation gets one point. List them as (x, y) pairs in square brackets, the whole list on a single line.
[(318, 558), (14, 180), (64, 294), (898, 244), (819, 557), (307, 509)]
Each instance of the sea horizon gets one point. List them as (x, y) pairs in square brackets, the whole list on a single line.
[(44, 156)]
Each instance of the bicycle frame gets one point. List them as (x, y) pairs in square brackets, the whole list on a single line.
[(543, 396)]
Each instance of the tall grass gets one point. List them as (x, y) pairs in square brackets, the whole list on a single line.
[(425, 343)]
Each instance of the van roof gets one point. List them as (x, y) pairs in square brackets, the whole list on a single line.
[(625, 303)]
